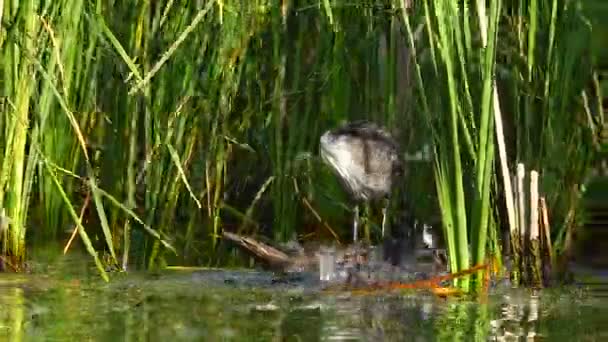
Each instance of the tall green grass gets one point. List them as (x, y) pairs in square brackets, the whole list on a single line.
[(460, 68), (539, 82), (181, 119), (549, 77), (166, 113)]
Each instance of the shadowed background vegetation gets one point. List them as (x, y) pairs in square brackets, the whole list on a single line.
[(150, 126)]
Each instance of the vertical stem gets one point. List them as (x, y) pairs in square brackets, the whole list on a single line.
[(485, 150), (546, 227), (356, 224), (521, 211), (500, 138), (515, 245), (534, 232), (21, 125), (521, 197)]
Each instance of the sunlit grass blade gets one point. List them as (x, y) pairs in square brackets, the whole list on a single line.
[(131, 214), (81, 231)]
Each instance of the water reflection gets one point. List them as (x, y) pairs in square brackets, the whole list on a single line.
[(222, 305), (519, 317)]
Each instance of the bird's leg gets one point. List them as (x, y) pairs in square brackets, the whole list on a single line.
[(427, 236), (440, 262), (384, 211), (356, 223), (366, 228)]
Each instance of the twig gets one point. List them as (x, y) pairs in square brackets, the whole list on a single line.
[(315, 213), (84, 207), (546, 227)]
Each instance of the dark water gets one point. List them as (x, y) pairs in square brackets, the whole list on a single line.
[(66, 301)]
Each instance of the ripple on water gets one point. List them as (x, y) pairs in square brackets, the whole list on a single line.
[(251, 305)]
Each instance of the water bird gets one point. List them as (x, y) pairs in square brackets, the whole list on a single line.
[(366, 159), (286, 259), (287, 256), (431, 239)]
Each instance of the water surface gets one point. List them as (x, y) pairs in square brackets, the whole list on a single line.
[(66, 301)]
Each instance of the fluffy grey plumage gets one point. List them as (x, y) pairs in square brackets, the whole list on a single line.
[(365, 157)]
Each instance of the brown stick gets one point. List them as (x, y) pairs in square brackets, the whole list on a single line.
[(84, 207), (546, 227), (535, 246)]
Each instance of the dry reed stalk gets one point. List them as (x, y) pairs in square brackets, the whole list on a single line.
[(534, 241)]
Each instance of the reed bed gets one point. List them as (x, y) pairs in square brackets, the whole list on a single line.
[(146, 128)]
